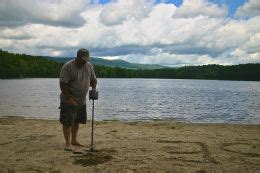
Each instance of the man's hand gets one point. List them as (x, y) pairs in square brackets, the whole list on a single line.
[(71, 101), (65, 90)]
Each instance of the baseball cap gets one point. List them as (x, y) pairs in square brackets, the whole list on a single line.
[(83, 54)]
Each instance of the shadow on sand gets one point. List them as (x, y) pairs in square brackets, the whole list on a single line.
[(92, 158)]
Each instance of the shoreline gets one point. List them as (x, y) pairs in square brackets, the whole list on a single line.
[(135, 120), (137, 78), (158, 146)]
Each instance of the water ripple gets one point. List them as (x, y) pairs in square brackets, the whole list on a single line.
[(141, 99)]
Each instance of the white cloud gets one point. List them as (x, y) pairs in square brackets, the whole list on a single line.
[(253, 44), (171, 59), (250, 8), (54, 12), (191, 8), (227, 35), (152, 36), (117, 12)]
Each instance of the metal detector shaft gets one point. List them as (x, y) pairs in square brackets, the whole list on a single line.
[(92, 129)]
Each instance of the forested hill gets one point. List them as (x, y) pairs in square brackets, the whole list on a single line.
[(113, 63), (27, 66)]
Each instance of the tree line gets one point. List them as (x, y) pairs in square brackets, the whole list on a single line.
[(27, 66)]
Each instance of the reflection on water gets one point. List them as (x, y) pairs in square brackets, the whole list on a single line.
[(141, 99)]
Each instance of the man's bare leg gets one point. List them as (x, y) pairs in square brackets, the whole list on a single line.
[(74, 131), (67, 135)]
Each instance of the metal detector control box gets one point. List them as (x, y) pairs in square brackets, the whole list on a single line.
[(93, 95)]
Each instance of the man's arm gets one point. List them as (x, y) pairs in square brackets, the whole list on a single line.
[(65, 90), (93, 78), (93, 83)]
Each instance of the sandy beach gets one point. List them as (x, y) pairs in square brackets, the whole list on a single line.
[(159, 146)]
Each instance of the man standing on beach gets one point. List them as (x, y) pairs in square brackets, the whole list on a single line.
[(75, 78)]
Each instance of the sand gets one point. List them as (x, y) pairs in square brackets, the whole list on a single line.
[(37, 145)]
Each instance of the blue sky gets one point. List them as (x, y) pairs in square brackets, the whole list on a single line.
[(190, 32), (232, 4)]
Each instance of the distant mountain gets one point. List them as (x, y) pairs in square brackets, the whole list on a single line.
[(28, 66), (114, 63)]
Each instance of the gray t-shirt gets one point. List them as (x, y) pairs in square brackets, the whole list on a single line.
[(78, 78)]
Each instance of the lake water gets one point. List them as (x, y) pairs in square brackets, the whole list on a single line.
[(141, 99)]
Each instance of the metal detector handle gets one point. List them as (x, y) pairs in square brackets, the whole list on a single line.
[(92, 128)]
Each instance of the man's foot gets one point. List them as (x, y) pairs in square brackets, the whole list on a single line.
[(77, 144), (68, 148)]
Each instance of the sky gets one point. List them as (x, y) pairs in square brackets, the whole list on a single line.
[(167, 32)]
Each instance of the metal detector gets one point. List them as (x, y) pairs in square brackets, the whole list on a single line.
[(93, 95)]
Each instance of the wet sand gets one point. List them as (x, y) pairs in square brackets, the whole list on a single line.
[(37, 145)]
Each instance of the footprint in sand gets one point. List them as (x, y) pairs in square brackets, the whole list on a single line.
[(36, 137), (242, 148), (182, 150)]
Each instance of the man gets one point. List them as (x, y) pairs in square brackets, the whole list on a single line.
[(75, 78)]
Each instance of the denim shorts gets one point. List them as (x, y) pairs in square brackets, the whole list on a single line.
[(71, 114)]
